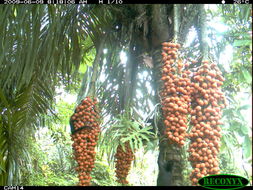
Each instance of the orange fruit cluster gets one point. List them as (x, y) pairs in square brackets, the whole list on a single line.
[(123, 162), (207, 104), (175, 94), (86, 124)]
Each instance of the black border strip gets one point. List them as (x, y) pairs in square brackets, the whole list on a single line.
[(120, 2), (107, 187)]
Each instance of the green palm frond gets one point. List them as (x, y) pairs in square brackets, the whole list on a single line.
[(18, 122), (124, 130), (41, 45), (39, 39)]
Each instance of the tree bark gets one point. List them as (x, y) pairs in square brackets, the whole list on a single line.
[(84, 86), (176, 19), (169, 153), (130, 77), (202, 33), (160, 29), (92, 90), (188, 17), (170, 156)]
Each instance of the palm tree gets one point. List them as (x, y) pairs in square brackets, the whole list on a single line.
[(41, 46), (139, 30)]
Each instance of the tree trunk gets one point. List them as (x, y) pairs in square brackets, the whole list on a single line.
[(202, 32), (99, 48), (131, 73), (176, 19), (170, 160), (160, 29), (169, 153), (89, 89)]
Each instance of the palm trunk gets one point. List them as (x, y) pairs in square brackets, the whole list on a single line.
[(176, 19), (92, 90), (169, 153), (89, 89), (170, 160), (202, 33), (130, 76)]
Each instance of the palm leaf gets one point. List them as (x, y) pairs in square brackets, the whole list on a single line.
[(124, 130)]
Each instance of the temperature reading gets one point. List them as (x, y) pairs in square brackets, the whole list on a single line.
[(241, 1), (237, 1)]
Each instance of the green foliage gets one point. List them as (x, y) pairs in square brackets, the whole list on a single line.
[(145, 169), (89, 53), (227, 164), (64, 110), (239, 35), (124, 130), (88, 59), (102, 174), (19, 119), (236, 126), (236, 132), (42, 46), (47, 169), (52, 179), (50, 152), (39, 40), (77, 83), (53, 163)]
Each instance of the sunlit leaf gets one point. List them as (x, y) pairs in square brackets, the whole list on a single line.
[(247, 75), (242, 42), (247, 147), (244, 107)]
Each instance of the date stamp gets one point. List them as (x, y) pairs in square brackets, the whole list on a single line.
[(23, 1), (61, 2)]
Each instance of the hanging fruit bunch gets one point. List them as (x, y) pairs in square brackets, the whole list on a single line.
[(124, 136), (85, 136), (207, 104), (175, 94), (123, 162)]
